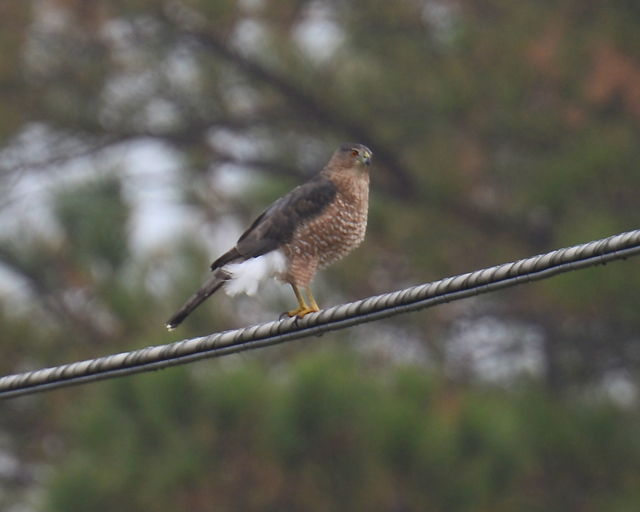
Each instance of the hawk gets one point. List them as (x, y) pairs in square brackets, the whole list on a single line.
[(313, 226)]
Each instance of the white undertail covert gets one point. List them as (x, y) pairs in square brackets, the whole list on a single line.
[(247, 275)]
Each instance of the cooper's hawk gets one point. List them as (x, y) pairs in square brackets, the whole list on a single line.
[(314, 225)]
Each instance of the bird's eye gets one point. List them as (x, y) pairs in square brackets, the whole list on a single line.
[(355, 152)]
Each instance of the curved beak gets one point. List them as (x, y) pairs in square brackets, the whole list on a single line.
[(365, 158)]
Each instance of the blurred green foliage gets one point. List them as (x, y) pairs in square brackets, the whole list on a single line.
[(95, 218), (499, 130), (332, 433)]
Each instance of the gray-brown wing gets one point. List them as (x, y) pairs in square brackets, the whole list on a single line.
[(276, 225)]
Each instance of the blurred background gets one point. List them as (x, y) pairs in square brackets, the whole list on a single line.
[(138, 139)]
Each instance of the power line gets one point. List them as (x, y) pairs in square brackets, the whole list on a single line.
[(422, 296)]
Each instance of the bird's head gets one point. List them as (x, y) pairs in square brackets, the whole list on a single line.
[(351, 155)]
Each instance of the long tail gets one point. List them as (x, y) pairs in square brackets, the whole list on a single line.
[(209, 288)]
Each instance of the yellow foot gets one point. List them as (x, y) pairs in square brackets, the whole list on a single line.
[(300, 312)]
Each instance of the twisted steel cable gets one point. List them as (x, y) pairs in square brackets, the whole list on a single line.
[(339, 317)]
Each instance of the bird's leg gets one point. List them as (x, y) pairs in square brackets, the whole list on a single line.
[(303, 308), (302, 305), (313, 304)]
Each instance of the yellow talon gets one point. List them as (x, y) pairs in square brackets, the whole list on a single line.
[(300, 312), (303, 309)]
